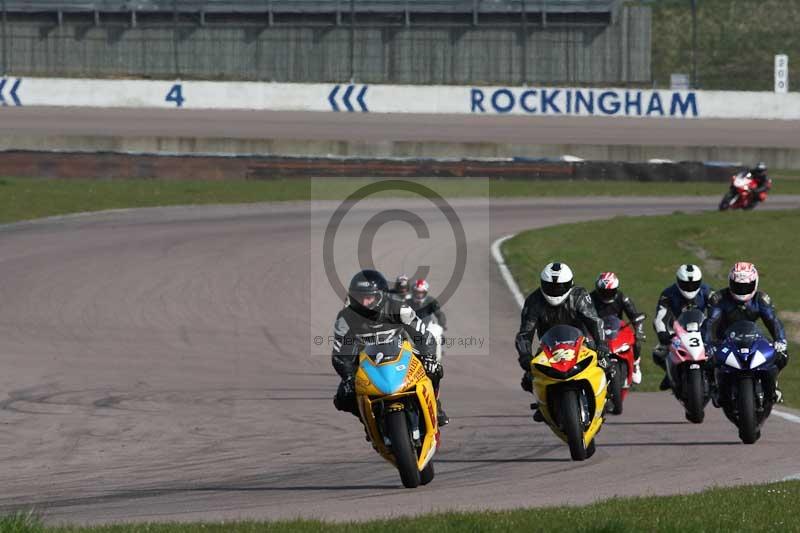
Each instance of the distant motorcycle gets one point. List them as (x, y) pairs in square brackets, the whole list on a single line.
[(740, 194), (621, 339), (686, 365), (397, 404), (746, 377)]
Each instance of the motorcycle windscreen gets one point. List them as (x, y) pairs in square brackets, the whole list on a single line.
[(692, 320), (386, 365), (742, 334), (611, 326), (562, 346), (561, 334)]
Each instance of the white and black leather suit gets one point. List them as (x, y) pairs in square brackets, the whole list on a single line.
[(429, 306), (355, 328), (538, 316)]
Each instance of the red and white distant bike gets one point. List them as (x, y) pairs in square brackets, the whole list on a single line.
[(740, 195)]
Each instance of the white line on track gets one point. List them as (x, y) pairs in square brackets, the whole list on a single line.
[(505, 272), (520, 299)]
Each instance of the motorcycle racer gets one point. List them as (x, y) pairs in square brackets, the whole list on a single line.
[(688, 292), (609, 300), (368, 316), (557, 301), (759, 173), (743, 301), (426, 305), (400, 291)]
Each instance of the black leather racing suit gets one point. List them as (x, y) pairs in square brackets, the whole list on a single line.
[(763, 183), (538, 316), (619, 305), (427, 307), (352, 330)]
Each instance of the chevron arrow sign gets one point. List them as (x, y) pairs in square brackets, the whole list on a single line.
[(347, 100), (8, 91)]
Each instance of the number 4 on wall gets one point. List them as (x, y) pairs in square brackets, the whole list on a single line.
[(175, 94)]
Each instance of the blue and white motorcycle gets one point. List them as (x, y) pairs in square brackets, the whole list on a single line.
[(746, 376)]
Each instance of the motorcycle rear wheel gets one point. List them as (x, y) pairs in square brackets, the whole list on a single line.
[(746, 405), (694, 395), (570, 417), (403, 449)]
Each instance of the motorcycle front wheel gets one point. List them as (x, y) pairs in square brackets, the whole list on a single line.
[(727, 200), (746, 406), (694, 395), (403, 449), (616, 387), (570, 417)]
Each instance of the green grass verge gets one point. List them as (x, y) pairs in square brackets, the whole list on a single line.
[(645, 252), (768, 507), (22, 199), (736, 42)]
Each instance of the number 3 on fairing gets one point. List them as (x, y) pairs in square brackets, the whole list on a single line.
[(694, 342), (175, 94)]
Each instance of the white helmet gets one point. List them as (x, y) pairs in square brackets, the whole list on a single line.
[(689, 278), (557, 281)]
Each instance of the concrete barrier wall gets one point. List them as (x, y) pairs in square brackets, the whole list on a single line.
[(550, 101), (777, 157)]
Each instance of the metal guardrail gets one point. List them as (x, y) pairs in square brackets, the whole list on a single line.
[(311, 6)]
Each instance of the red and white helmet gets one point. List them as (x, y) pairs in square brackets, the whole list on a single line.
[(743, 281), (421, 288), (607, 284)]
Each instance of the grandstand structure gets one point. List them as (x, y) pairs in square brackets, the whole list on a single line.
[(497, 42)]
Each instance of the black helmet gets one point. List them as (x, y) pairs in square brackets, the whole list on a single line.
[(760, 168), (401, 284), (365, 284)]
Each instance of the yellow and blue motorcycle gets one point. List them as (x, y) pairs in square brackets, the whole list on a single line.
[(397, 405), (570, 388)]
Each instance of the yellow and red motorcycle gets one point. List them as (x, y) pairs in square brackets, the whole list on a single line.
[(397, 404), (570, 388)]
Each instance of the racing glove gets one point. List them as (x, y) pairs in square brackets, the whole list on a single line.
[(639, 328), (430, 364), (525, 362), (781, 357), (527, 382)]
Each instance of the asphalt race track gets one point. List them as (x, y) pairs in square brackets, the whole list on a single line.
[(160, 364)]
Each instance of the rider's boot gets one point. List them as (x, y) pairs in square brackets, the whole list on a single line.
[(664, 385), (440, 414), (637, 371), (537, 415), (778, 398)]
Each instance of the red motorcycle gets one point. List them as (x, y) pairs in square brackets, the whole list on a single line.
[(620, 338), (740, 195)]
